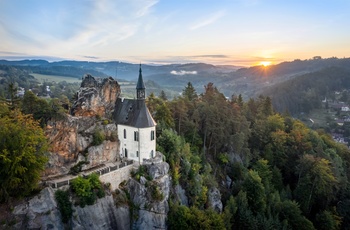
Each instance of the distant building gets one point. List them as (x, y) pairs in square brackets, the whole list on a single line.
[(345, 109), (20, 92), (136, 127)]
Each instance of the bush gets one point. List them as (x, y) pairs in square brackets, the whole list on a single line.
[(156, 194), (97, 137), (77, 168), (87, 190), (64, 205)]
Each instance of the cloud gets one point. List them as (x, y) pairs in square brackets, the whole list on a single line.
[(207, 21), (66, 27), (183, 72), (90, 57), (210, 56)]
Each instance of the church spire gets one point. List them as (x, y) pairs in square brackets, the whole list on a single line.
[(140, 87)]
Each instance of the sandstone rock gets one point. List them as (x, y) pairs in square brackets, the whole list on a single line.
[(158, 170), (102, 215), (152, 213), (39, 213), (180, 195), (96, 97), (214, 198), (71, 138)]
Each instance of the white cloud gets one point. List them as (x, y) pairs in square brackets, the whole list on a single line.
[(207, 21), (183, 72), (69, 27)]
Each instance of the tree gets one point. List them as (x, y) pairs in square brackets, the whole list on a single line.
[(255, 191), (189, 92), (23, 148), (316, 182), (163, 96)]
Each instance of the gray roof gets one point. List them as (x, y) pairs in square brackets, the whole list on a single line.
[(133, 113)]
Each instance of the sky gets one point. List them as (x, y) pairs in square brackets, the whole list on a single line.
[(221, 32)]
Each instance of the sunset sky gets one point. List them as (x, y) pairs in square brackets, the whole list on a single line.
[(228, 32)]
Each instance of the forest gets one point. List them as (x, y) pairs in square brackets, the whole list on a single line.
[(306, 92), (272, 171)]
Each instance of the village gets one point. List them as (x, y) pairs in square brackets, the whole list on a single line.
[(333, 117)]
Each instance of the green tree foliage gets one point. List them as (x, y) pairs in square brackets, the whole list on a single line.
[(272, 171), (87, 189), (255, 191), (23, 149), (182, 217), (316, 183), (41, 109), (64, 205), (98, 137), (189, 92)]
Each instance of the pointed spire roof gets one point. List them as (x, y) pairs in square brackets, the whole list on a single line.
[(140, 84)]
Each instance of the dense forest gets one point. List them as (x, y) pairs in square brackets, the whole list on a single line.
[(272, 171)]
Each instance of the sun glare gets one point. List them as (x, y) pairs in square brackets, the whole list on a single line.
[(265, 63)]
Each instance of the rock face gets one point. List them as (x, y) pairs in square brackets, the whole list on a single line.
[(96, 97), (214, 198), (71, 142), (152, 210), (71, 139), (39, 213), (149, 209), (102, 215)]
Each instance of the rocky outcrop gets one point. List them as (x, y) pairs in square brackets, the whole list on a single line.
[(96, 97), (71, 139), (146, 208), (39, 213), (151, 197), (214, 198), (102, 215), (71, 142)]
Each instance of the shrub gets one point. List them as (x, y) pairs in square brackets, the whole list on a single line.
[(156, 194), (64, 205), (87, 189), (97, 137), (77, 168)]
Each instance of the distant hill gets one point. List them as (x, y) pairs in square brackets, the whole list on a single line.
[(249, 82), (305, 92)]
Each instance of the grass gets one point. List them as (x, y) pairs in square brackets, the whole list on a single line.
[(55, 78), (319, 116)]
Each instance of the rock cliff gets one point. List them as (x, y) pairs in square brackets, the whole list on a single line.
[(151, 197), (72, 139), (41, 212), (147, 206), (96, 97)]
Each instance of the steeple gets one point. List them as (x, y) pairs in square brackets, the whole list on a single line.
[(140, 87)]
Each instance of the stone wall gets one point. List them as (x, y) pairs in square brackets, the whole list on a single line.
[(117, 176)]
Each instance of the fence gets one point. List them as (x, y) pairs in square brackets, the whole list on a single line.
[(100, 171)]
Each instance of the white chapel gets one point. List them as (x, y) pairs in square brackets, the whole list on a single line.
[(136, 127)]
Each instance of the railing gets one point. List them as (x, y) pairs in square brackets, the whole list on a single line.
[(100, 171)]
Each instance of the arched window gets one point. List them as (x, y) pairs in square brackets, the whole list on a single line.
[(124, 133)]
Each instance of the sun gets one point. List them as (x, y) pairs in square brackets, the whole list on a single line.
[(265, 63)]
